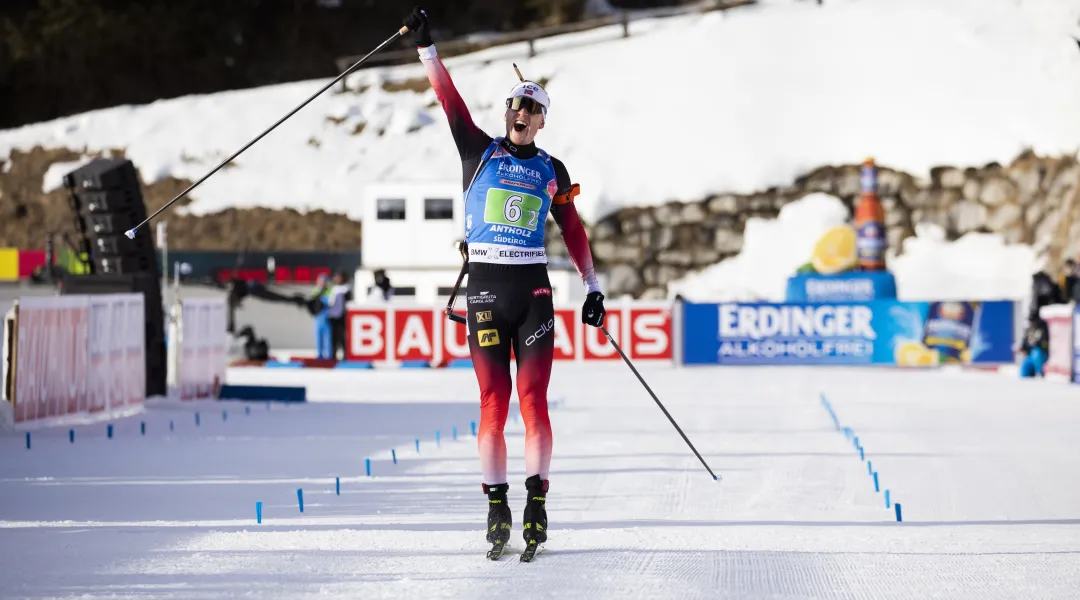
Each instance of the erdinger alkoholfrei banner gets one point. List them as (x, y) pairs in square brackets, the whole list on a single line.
[(885, 332)]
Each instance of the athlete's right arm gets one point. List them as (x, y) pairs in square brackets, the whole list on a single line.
[(471, 140)]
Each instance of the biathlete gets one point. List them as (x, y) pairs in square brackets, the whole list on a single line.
[(510, 187)]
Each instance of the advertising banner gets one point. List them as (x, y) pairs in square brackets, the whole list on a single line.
[(78, 355), (202, 346), (399, 333), (1075, 343), (1059, 323), (885, 332)]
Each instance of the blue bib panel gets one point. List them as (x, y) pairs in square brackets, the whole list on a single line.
[(506, 207)]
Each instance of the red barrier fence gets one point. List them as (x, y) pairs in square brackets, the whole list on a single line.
[(395, 333)]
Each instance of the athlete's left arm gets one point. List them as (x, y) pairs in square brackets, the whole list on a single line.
[(573, 231)]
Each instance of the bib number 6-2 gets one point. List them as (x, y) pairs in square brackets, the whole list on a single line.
[(512, 211)]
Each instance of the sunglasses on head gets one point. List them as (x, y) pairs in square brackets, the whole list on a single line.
[(515, 104)]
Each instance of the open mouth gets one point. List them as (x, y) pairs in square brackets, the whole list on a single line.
[(520, 126)]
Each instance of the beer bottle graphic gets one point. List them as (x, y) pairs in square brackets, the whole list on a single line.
[(871, 238), (949, 329)]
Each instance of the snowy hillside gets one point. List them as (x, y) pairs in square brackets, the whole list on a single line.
[(733, 101)]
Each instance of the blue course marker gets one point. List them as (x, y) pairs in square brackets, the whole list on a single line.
[(393, 455), (472, 428), (876, 488), (337, 486), (887, 505), (418, 446), (108, 431), (258, 512), (142, 427), (71, 435), (454, 433), (196, 419), (170, 425), (367, 466), (300, 498), (436, 437), (899, 518), (27, 440), (869, 469)]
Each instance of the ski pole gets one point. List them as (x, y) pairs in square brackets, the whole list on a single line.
[(400, 32), (453, 316), (658, 403)]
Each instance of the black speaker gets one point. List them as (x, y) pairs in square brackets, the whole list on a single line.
[(104, 174), (107, 201)]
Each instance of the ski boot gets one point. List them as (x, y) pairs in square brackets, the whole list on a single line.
[(499, 519), (535, 521)]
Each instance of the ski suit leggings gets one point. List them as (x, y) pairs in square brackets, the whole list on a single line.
[(510, 306)]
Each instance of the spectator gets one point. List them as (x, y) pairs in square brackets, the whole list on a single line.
[(1044, 291), (382, 291), (1035, 347), (339, 295), (1069, 289), (320, 305)]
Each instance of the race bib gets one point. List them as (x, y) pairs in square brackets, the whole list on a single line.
[(512, 208)]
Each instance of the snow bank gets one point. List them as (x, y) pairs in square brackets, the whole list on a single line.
[(977, 266)]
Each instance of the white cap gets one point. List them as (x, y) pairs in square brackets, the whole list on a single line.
[(532, 90)]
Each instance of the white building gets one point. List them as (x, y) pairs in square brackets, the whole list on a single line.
[(411, 231)]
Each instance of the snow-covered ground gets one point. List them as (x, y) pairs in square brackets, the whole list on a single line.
[(731, 101), (982, 466), (978, 266)]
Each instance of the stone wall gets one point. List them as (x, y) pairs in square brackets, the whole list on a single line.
[(1034, 200)]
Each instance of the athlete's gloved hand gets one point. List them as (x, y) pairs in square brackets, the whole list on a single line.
[(417, 23), (592, 313)]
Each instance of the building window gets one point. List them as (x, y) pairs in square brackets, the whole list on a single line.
[(438, 209), (404, 291), (391, 209), (445, 291)]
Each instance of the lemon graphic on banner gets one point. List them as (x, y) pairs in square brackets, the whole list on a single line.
[(835, 252), (911, 353)]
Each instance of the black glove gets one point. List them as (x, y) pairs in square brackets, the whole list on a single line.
[(592, 313), (417, 23)]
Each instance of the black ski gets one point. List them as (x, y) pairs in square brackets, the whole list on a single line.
[(497, 550), (531, 551)]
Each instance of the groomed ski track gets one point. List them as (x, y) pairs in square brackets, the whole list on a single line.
[(984, 466)]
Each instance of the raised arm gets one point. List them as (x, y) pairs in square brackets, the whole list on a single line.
[(471, 141), (573, 231)]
